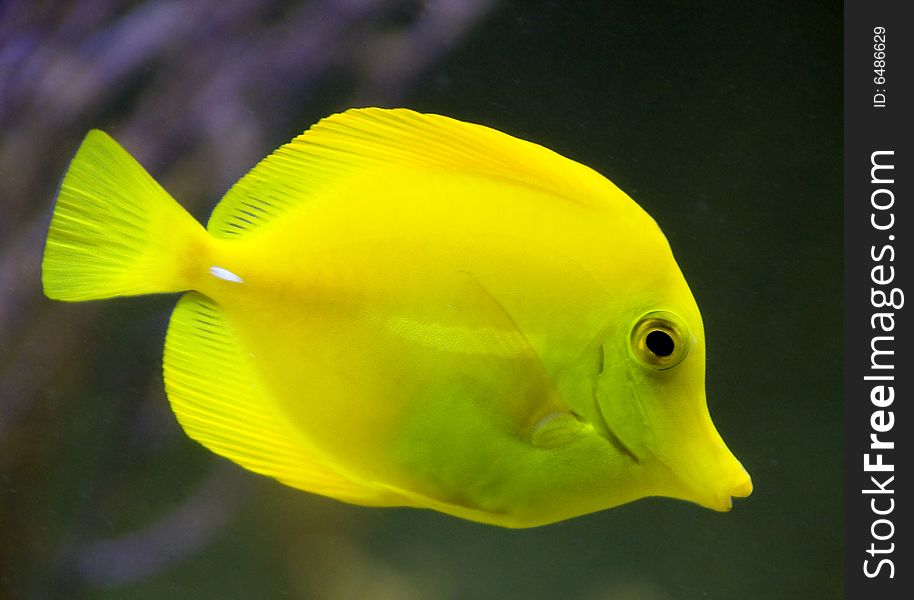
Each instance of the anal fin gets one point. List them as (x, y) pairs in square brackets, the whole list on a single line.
[(218, 399)]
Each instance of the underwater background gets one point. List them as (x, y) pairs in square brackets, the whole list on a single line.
[(723, 120)]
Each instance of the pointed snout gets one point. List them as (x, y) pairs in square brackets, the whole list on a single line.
[(721, 484), (714, 476), (707, 473)]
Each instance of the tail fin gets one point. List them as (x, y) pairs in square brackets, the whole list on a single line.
[(115, 231)]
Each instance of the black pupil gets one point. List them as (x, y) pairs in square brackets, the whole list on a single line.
[(660, 343)]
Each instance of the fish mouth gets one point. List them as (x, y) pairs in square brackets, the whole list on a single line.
[(720, 479), (723, 502), (602, 426)]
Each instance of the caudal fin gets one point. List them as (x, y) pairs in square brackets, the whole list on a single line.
[(115, 231)]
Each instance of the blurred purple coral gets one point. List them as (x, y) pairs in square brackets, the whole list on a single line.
[(198, 92)]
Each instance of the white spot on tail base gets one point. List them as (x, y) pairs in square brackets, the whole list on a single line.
[(224, 274)]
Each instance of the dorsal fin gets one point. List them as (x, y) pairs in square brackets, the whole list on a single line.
[(358, 142)]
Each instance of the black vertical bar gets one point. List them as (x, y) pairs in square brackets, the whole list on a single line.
[(879, 372)]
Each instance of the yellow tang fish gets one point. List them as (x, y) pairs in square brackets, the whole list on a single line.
[(402, 309)]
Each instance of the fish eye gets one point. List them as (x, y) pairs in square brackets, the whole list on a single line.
[(660, 340)]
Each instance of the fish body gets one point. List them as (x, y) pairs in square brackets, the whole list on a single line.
[(398, 309)]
